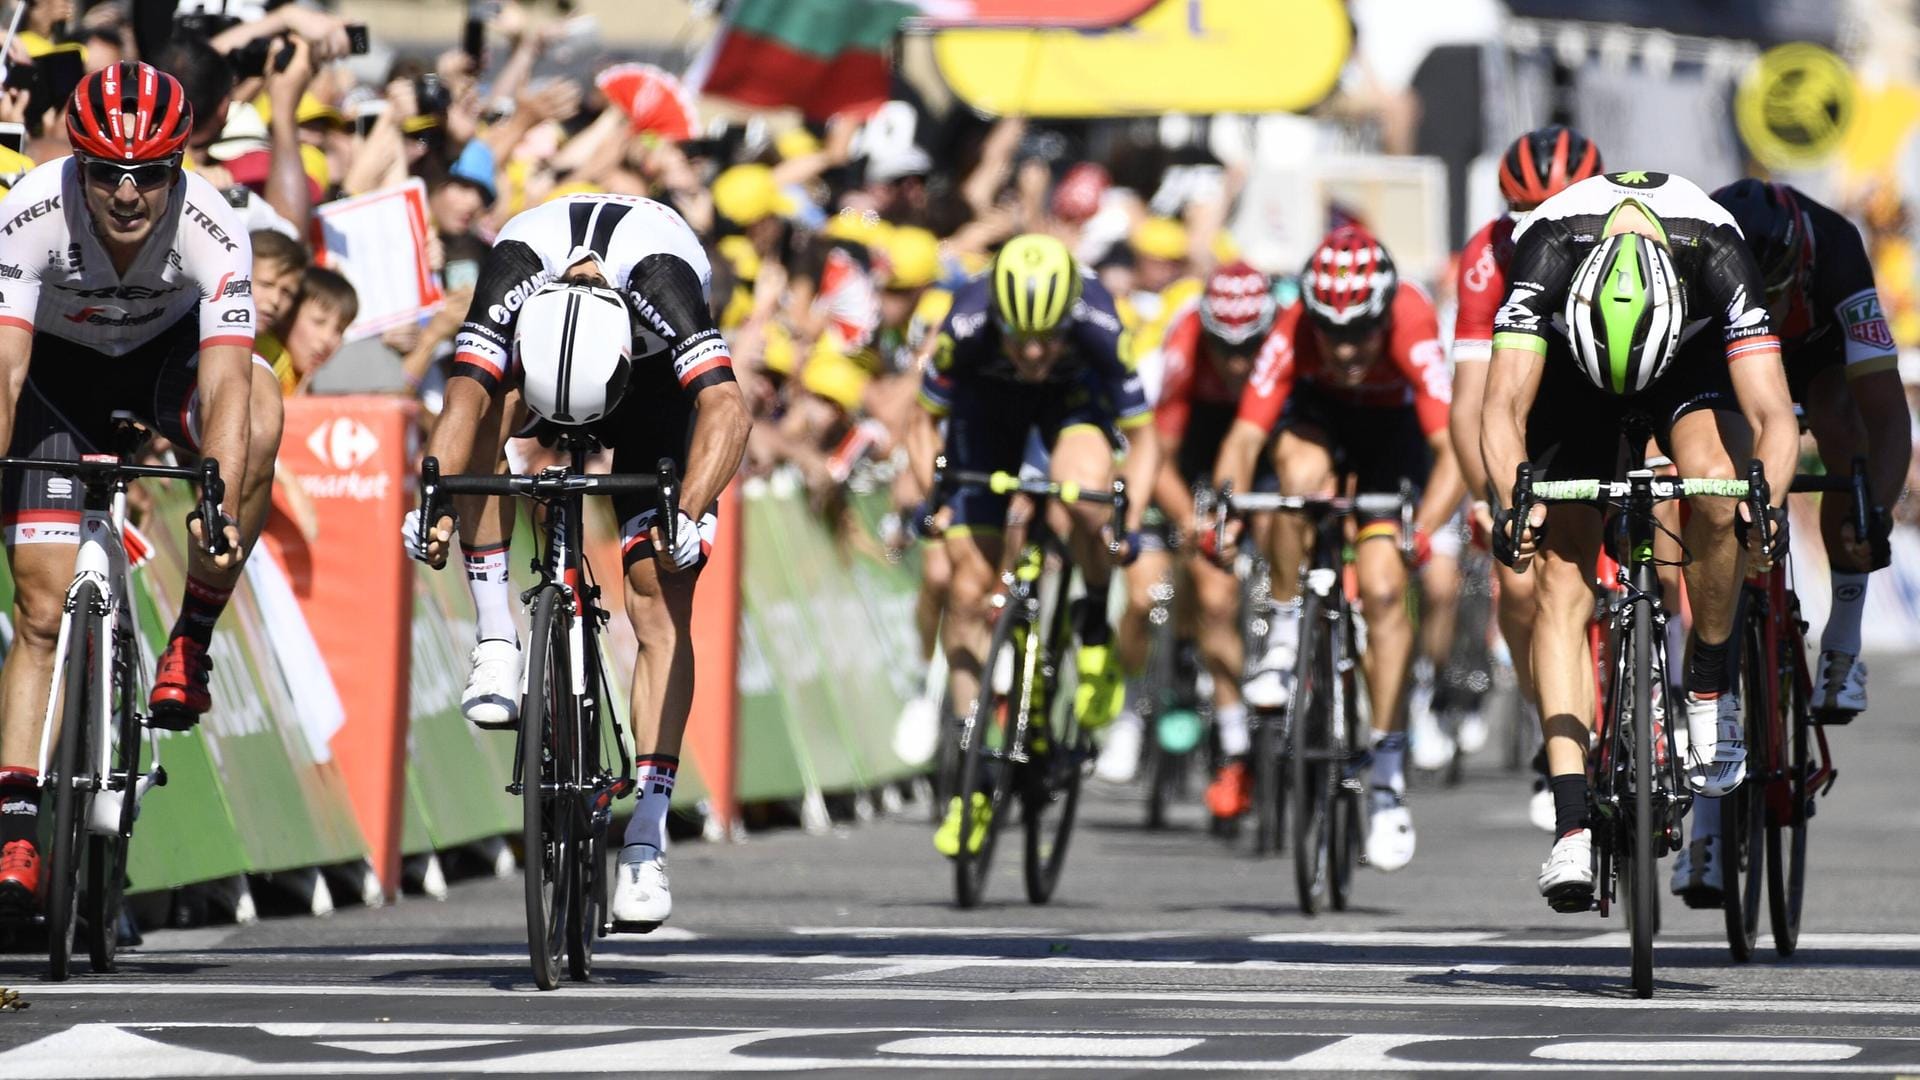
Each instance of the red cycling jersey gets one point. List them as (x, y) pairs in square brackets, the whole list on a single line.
[(1482, 288), (1413, 372), (1190, 377)]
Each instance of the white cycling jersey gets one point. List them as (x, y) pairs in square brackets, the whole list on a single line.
[(56, 278)]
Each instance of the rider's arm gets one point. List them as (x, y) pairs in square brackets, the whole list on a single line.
[(16, 348), (1542, 267), (1261, 403), (1099, 336), (1417, 351), (20, 300), (1845, 285), (1480, 285), (1735, 288), (213, 244), (482, 354), (674, 291)]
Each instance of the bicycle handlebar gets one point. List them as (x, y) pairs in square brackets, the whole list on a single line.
[(98, 468), (1257, 502), (551, 483), (1854, 484), (999, 482)]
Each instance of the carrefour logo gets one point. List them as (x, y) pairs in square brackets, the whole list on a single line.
[(343, 442)]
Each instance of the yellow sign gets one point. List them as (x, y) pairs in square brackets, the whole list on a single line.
[(1794, 105), (1181, 56)]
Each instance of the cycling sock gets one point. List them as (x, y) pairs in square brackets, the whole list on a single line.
[(654, 774), (492, 593), (1706, 818), (1843, 620), (1231, 721), (1090, 620), (19, 804), (1389, 761), (1708, 675), (200, 608), (1569, 803)]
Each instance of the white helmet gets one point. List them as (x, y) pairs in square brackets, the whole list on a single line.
[(1624, 314), (574, 348)]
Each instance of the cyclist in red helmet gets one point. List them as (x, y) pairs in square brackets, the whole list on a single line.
[(127, 286), (1207, 357), (1353, 382), (1536, 167)]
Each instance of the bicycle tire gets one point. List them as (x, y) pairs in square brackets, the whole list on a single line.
[(1163, 779), (1310, 774), (107, 855), (1348, 811), (546, 817), (1642, 900), (1053, 791), (1266, 764), (70, 803), (979, 772), (588, 905), (1743, 812), (1786, 841)]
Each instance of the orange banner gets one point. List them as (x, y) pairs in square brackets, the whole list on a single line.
[(349, 455)]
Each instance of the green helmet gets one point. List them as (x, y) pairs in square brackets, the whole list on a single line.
[(1035, 282), (1624, 313)]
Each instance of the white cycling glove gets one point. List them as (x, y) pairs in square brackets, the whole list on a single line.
[(410, 530), (686, 543)]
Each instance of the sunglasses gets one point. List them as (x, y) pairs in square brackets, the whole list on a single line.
[(146, 176)]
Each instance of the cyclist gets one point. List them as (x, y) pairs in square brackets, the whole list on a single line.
[(127, 287), (591, 311), (1354, 381), (1841, 367), (1661, 301), (1034, 348), (1539, 165)]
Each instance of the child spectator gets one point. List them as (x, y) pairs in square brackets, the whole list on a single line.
[(326, 306)]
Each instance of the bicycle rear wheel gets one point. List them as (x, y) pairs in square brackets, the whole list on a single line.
[(1641, 871), (1266, 763), (588, 894), (1786, 833), (1743, 813), (1348, 823), (107, 855), (986, 767), (71, 768), (547, 810), (1311, 774)]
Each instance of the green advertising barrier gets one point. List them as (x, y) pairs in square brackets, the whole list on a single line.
[(247, 791), (826, 652)]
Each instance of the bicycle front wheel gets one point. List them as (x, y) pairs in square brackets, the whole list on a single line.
[(71, 770), (547, 811), (1312, 775), (1743, 812), (107, 854), (1642, 914), (1053, 788), (1786, 834), (986, 765)]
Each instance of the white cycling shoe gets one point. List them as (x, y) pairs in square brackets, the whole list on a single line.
[(492, 697), (1472, 733), (1269, 687), (1716, 751), (1696, 873), (1566, 878), (1841, 693), (1390, 836), (1432, 748), (642, 899), (1119, 759)]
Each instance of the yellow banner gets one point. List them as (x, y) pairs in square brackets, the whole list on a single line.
[(1185, 56), (1794, 105)]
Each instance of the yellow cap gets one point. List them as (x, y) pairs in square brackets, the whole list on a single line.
[(1224, 249), (319, 169), (858, 226), (796, 142), (913, 258), (777, 350), (1159, 238), (13, 165), (746, 194), (739, 253), (833, 375), (578, 187)]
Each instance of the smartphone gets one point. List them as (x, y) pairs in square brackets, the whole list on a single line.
[(14, 137), (366, 116), (357, 39), (473, 38), (56, 73)]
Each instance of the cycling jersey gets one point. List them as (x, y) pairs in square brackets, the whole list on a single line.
[(1481, 286), (1834, 309), (56, 278), (644, 249), (1191, 379), (970, 349), (1722, 280), (1412, 373)]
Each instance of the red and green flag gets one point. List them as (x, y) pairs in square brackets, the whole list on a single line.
[(822, 56)]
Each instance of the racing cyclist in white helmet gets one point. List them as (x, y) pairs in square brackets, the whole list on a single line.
[(593, 310)]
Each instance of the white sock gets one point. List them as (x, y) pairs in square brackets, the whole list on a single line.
[(1390, 760), (1232, 723), (1285, 627), (492, 593), (653, 773), (1843, 621)]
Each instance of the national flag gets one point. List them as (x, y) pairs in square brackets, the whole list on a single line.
[(823, 56)]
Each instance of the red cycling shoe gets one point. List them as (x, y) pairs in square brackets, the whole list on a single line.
[(181, 694), (19, 878), (1231, 793)]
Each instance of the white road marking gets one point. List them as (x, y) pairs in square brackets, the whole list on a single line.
[(1697, 1050), (1037, 1046), (405, 1046), (1414, 938), (895, 971)]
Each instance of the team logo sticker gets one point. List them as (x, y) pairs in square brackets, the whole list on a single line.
[(1866, 323)]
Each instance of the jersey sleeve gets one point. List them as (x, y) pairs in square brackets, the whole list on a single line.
[(1844, 285), (669, 300), (1736, 290), (19, 269), (1480, 287), (1416, 350), (1271, 384), (962, 333), (217, 254), (1179, 354), (483, 350), (1537, 282), (1105, 345)]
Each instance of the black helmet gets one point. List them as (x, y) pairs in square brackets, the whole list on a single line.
[(1775, 228)]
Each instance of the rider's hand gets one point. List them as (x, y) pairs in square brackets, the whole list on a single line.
[(1516, 550), (1765, 544), (1875, 550), (1422, 548), (197, 534), (439, 541), (685, 552), (1480, 520), (1125, 547)]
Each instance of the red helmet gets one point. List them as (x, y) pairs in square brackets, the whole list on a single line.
[(1238, 306), (1545, 160), (1349, 282), (129, 111)]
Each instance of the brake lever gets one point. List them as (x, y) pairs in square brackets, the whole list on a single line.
[(213, 492), (429, 498)]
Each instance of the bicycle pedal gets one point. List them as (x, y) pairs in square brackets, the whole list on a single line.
[(1572, 899)]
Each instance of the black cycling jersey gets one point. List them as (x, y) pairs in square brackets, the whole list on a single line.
[(1833, 301)]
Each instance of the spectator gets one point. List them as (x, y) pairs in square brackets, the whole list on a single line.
[(279, 265), (326, 306), (458, 196)]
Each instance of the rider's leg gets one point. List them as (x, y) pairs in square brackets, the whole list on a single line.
[(1383, 579), (1222, 648), (1706, 443), (660, 607), (936, 574), (1304, 464), (1842, 437), (973, 553), (40, 576), (486, 526), (1083, 455), (1562, 662), (1134, 634)]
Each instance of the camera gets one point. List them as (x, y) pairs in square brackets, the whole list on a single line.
[(432, 94)]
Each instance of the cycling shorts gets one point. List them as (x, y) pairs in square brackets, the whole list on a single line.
[(988, 430), (1574, 429), (66, 409), (1378, 446)]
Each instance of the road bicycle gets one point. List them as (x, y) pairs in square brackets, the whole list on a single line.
[(1640, 797), (89, 758), (1308, 761), (561, 773), (1763, 823), (1021, 738)]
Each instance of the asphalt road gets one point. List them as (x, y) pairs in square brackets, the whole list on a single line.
[(1164, 951)]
